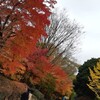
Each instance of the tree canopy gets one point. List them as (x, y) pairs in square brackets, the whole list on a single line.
[(81, 81), (20, 28), (22, 23)]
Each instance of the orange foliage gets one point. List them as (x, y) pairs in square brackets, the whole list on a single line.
[(20, 28), (22, 22), (63, 83), (39, 65)]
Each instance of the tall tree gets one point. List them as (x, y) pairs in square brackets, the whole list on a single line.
[(63, 37), (63, 34), (20, 28), (81, 81)]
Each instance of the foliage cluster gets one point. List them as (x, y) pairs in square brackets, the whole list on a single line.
[(82, 79), (20, 58), (94, 80)]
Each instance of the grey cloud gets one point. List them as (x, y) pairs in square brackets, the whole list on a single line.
[(87, 12)]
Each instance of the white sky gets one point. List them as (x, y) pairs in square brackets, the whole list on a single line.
[(87, 13)]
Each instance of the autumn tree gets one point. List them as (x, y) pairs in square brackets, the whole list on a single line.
[(20, 58), (63, 37), (46, 77), (81, 81), (20, 28), (94, 80)]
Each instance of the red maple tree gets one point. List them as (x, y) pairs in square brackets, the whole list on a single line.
[(42, 70), (22, 22)]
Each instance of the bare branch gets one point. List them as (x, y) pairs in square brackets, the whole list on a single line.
[(62, 37)]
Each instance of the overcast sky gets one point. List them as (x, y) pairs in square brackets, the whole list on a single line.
[(87, 13)]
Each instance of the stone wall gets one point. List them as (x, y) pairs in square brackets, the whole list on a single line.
[(11, 90)]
